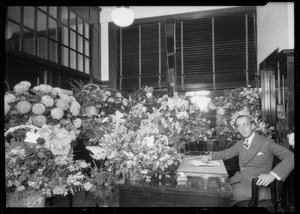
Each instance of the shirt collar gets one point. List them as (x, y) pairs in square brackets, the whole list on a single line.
[(250, 138)]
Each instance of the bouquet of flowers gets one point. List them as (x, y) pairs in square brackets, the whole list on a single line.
[(32, 170)]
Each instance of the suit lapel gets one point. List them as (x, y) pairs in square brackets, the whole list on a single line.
[(253, 149)]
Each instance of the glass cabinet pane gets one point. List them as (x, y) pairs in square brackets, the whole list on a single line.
[(53, 11), (73, 20), (64, 56), (52, 29), (86, 30), (42, 47), (65, 35), (79, 25), (28, 41), (14, 13), (72, 59), (44, 8), (41, 23), (87, 47), (52, 51), (80, 62), (64, 16), (29, 17), (13, 36), (87, 65), (80, 44), (73, 39)]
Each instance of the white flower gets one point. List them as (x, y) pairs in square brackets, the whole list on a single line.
[(38, 108), (23, 107), (149, 95), (63, 104), (149, 141), (83, 164), (107, 93), (57, 113), (6, 108), (125, 102), (91, 110), (58, 140), (99, 153), (9, 98), (159, 100), (118, 95), (87, 186), (47, 100), (110, 100), (39, 120), (182, 115), (77, 123), (22, 87), (56, 91), (47, 89), (21, 188), (220, 111), (291, 138), (75, 108)]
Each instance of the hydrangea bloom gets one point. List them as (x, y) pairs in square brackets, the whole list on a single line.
[(77, 123), (38, 108), (43, 88), (56, 91), (9, 98), (22, 87), (39, 120), (63, 104), (23, 107), (47, 101), (57, 113), (75, 108)]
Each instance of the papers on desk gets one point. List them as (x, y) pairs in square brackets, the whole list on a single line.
[(199, 162)]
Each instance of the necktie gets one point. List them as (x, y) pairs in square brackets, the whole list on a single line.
[(246, 144)]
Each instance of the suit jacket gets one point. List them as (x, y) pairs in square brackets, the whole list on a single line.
[(257, 160)]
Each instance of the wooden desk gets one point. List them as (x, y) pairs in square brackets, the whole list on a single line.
[(216, 193)]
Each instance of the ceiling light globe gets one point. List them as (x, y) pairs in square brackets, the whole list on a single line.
[(122, 16)]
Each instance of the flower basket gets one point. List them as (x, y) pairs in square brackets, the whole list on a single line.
[(134, 178), (28, 199)]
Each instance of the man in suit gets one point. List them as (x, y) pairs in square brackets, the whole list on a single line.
[(256, 155)]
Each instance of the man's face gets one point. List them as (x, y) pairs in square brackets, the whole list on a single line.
[(244, 126)]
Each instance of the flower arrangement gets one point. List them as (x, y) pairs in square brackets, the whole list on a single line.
[(244, 98), (97, 103), (44, 107), (32, 169), (41, 123)]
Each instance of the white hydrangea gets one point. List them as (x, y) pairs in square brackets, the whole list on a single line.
[(9, 98), (77, 123), (56, 91), (22, 87), (66, 97), (57, 113), (63, 104), (47, 100), (125, 102), (39, 120), (118, 95), (75, 108), (38, 108), (23, 107), (47, 89)]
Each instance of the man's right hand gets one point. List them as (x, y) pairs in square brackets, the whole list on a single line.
[(205, 157)]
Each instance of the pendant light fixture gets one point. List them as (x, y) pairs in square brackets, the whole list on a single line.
[(122, 16)]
